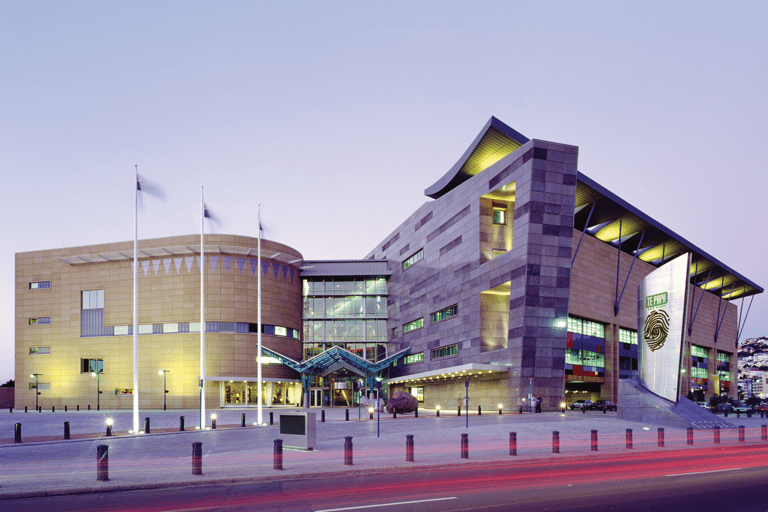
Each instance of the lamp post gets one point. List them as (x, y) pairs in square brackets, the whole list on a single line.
[(37, 390), (165, 388), (97, 374)]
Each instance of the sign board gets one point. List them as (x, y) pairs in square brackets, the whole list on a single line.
[(662, 304), (298, 430)]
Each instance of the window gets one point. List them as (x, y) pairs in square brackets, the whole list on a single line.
[(418, 393), (41, 386), (499, 215), (495, 253), (394, 332), (122, 330), (627, 336), (90, 365), (586, 327), (93, 299), (415, 258), (697, 351), (41, 320), (699, 373), (723, 356), (412, 326), (40, 350), (450, 350), (445, 313), (40, 285), (414, 358)]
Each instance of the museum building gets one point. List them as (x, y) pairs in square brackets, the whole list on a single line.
[(517, 279)]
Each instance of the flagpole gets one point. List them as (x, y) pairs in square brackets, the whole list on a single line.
[(258, 320), (202, 311), (136, 302)]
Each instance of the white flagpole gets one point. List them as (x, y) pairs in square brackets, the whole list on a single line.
[(202, 311), (258, 320), (136, 302)]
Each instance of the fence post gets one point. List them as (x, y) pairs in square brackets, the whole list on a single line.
[(464, 446), (197, 458), (278, 459), (555, 441), (409, 448), (102, 463), (661, 437), (629, 439), (348, 450), (594, 440), (513, 443), (66, 430)]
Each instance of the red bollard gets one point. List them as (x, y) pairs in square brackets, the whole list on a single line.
[(513, 443), (409, 448), (555, 441), (594, 440), (278, 458), (464, 446), (690, 436), (102, 463), (629, 439)]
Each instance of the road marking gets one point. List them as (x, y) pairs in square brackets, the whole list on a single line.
[(703, 472), (386, 504)]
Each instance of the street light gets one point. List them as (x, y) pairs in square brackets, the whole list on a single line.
[(37, 390), (165, 388), (97, 374)]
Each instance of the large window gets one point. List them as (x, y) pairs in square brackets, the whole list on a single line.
[(91, 365), (40, 285), (499, 215), (445, 313), (415, 258), (412, 326), (627, 336), (414, 358), (586, 327), (93, 299)]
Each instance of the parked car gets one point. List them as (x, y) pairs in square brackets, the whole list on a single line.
[(724, 408), (605, 405), (762, 408), (582, 404), (742, 408)]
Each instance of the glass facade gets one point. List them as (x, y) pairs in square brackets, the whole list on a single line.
[(350, 312), (585, 351)]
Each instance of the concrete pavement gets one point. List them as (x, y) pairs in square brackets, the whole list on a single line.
[(45, 464)]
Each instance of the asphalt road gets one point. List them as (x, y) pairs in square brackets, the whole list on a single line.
[(711, 479)]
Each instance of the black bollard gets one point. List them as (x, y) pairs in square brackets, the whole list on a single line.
[(584, 409), (394, 413), (109, 429), (629, 439), (89, 407), (555, 441), (594, 440), (25, 408), (409, 448), (278, 458), (346, 414), (459, 410), (271, 418), (213, 422), (66, 430), (513, 443), (764, 432), (40, 409), (437, 413), (17, 432), (717, 434), (416, 412), (605, 410), (65, 408), (370, 416), (53, 408), (322, 416), (660, 436), (102, 463), (519, 409), (242, 420), (690, 436), (197, 458), (78, 408), (146, 426), (741, 433), (479, 411), (464, 446), (499, 411), (348, 450), (181, 423)]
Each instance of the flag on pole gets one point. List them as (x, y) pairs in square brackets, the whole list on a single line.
[(144, 185)]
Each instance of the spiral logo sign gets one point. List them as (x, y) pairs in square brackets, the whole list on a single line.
[(656, 329)]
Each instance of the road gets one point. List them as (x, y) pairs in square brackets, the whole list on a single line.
[(716, 478)]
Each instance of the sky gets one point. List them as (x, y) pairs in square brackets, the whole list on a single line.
[(335, 116)]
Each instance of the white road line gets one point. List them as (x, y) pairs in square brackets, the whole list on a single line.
[(386, 504), (703, 472)]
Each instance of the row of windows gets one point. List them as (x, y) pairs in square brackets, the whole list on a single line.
[(355, 306), (40, 285), (215, 327), (414, 358), (91, 365), (723, 356), (415, 258), (41, 320), (41, 386), (345, 330), (450, 350), (700, 373), (586, 327), (375, 286), (445, 313), (697, 351), (369, 351), (40, 350), (627, 336), (584, 358)]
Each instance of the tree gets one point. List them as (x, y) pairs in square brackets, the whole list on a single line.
[(8, 384), (753, 401)]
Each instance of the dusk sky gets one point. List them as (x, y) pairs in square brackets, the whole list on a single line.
[(335, 116)]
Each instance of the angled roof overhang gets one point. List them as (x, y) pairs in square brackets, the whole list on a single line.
[(618, 223), (177, 250), (334, 359), (495, 141), (453, 372)]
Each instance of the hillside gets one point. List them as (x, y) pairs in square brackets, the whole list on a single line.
[(753, 352)]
